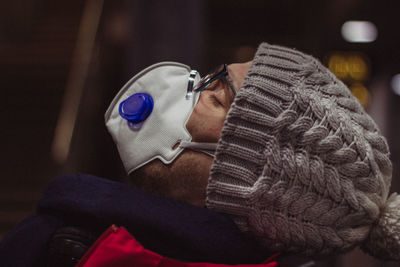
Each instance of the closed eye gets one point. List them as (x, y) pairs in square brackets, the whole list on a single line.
[(215, 100)]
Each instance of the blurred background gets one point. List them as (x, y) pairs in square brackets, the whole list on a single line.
[(62, 62)]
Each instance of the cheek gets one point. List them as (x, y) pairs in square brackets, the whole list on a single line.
[(205, 126), (215, 125)]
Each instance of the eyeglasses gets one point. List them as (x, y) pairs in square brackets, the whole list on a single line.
[(218, 73)]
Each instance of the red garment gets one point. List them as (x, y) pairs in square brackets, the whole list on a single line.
[(117, 248)]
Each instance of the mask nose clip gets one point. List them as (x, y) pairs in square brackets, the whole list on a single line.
[(136, 109), (192, 76)]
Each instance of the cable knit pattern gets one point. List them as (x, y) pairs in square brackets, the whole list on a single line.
[(300, 164)]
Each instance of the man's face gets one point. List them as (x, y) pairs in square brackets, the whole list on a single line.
[(207, 119), (186, 178)]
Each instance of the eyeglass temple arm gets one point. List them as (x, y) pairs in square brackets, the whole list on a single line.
[(192, 76)]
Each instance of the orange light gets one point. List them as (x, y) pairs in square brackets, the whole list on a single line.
[(361, 93), (357, 66), (338, 65), (349, 66)]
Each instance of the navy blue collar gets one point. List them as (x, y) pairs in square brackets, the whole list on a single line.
[(170, 228)]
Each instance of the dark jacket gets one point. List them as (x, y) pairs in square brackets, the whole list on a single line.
[(170, 228)]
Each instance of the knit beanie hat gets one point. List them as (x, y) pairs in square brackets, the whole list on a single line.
[(301, 166)]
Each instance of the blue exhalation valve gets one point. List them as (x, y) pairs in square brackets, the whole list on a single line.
[(136, 108)]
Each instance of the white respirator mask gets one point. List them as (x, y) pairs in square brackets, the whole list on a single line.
[(147, 118)]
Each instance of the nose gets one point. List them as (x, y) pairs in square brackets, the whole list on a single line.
[(237, 72)]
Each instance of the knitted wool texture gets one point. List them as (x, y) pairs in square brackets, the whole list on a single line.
[(300, 165)]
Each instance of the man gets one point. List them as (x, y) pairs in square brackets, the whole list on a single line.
[(299, 164), (299, 167)]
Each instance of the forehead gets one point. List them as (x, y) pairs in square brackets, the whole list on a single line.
[(237, 73)]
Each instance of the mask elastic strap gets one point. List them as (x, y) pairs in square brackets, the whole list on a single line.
[(207, 148)]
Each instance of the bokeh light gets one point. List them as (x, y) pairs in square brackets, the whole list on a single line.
[(395, 83), (361, 93), (359, 31), (349, 66)]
